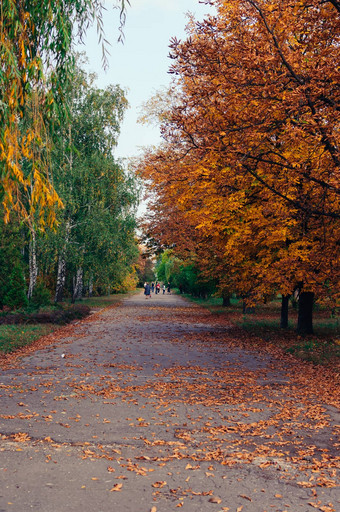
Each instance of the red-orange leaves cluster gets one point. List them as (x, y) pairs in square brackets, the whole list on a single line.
[(249, 171)]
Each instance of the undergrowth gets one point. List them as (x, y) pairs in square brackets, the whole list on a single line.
[(323, 347)]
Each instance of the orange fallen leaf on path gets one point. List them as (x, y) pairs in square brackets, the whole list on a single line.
[(245, 497), (215, 499), (116, 487), (159, 484), (305, 484)]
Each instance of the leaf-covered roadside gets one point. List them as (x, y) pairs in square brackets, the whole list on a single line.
[(260, 328), (26, 332)]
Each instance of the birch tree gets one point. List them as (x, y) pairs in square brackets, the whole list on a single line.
[(96, 191), (36, 38)]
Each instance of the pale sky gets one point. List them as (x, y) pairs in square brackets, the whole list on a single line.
[(141, 64)]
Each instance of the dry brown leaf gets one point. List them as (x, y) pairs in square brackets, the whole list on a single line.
[(245, 497), (215, 499), (325, 482), (159, 484), (116, 487), (305, 484)]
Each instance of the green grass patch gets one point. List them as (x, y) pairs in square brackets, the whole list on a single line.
[(214, 304), (316, 350), (323, 347), (13, 337)]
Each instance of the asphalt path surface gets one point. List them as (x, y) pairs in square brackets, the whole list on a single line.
[(149, 406)]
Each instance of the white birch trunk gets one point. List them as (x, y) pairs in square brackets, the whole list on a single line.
[(61, 273), (61, 277), (78, 285), (33, 265), (90, 285)]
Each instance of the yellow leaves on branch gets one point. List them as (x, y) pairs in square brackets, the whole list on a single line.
[(25, 181)]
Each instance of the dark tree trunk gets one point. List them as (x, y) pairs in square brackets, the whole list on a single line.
[(226, 301), (305, 315), (247, 310), (284, 312)]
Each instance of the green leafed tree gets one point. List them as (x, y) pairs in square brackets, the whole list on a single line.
[(95, 239)]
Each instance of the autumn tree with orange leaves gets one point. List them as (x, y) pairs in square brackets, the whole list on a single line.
[(251, 152)]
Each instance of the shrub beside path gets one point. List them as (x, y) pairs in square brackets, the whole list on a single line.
[(152, 406)]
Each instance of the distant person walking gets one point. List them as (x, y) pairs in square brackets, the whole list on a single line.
[(163, 289), (147, 291), (168, 287), (152, 286)]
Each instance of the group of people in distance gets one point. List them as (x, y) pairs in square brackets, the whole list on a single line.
[(155, 288)]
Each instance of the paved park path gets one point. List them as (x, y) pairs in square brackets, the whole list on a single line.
[(150, 406)]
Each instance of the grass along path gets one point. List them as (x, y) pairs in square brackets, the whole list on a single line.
[(262, 327), (15, 337)]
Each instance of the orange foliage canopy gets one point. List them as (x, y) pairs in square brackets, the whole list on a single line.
[(251, 154)]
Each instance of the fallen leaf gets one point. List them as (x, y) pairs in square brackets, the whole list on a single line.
[(245, 497), (215, 499), (305, 484), (116, 487), (159, 484)]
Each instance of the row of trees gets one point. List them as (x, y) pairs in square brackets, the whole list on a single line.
[(93, 237), (246, 183), (66, 204)]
